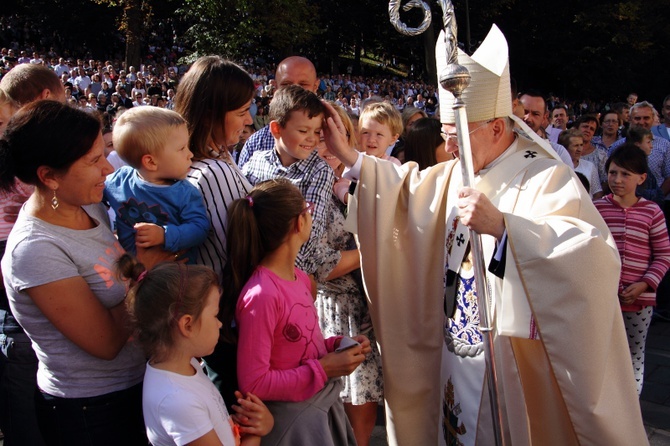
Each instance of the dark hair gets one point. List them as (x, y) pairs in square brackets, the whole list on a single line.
[(630, 157), (36, 137), (421, 141), (26, 82), (637, 134), (535, 94), (294, 98), (257, 226), (165, 293), (586, 118), (211, 88), (609, 112), (585, 181)]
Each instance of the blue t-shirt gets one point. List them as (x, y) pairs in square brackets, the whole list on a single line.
[(177, 207)]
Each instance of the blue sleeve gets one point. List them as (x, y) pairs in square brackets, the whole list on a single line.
[(193, 226)]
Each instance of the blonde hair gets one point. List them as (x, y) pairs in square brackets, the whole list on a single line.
[(348, 125), (6, 99), (141, 131), (385, 114)]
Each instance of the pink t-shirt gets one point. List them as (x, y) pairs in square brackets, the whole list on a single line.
[(279, 338), (7, 199)]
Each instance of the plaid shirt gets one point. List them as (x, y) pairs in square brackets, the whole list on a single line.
[(260, 141), (658, 160), (315, 180)]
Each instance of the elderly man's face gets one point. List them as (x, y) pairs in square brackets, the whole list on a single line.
[(642, 117), (479, 142)]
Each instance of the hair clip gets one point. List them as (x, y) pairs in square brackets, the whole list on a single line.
[(250, 200), (141, 276)]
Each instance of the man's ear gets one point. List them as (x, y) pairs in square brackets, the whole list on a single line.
[(275, 129), (149, 163)]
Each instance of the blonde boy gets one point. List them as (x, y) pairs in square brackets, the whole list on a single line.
[(154, 206), (379, 127)]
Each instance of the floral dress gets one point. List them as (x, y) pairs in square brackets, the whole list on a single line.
[(343, 311)]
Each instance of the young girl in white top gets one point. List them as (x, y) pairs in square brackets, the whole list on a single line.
[(175, 309)]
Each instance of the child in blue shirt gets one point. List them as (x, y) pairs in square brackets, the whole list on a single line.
[(154, 206)]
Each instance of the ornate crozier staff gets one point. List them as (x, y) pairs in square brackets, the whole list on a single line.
[(455, 78)]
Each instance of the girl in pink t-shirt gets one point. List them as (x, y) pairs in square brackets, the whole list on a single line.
[(282, 356)]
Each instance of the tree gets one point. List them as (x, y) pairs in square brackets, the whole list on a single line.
[(136, 17), (242, 28)]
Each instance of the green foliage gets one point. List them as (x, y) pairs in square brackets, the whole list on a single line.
[(238, 28)]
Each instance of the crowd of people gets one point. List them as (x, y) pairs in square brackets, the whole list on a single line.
[(270, 271)]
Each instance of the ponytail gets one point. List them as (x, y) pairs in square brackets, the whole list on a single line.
[(257, 225), (159, 297)]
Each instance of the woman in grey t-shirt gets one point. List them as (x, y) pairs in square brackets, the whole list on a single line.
[(58, 270)]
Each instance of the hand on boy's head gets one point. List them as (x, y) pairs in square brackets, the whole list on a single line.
[(148, 235), (335, 137)]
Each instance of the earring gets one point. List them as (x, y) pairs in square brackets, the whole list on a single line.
[(54, 201)]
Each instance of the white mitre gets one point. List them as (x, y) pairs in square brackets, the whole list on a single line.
[(489, 94)]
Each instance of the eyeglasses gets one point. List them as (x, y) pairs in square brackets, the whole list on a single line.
[(453, 136), (309, 208)]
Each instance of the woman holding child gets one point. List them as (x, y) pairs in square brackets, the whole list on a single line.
[(59, 277), (214, 97)]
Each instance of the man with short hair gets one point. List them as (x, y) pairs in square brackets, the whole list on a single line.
[(559, 335), (663, 129), (293, 70), (81, 80), (559, 117), (62, 67), (535, 111)]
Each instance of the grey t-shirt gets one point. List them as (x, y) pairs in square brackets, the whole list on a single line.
[(39, 253)]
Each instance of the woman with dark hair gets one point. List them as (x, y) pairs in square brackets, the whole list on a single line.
[(214, 97), (58, 274), (424, 143)]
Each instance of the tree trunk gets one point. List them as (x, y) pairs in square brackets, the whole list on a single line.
[(134, 18)]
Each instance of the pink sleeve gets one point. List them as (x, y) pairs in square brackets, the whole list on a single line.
[(258, 315), (341, 189), (660, 251), (330, 343)]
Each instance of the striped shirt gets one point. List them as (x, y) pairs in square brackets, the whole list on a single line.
[(221, 183), (315, 180), (642, 240)]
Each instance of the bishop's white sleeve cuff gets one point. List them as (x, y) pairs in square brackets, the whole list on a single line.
[(353, 173)]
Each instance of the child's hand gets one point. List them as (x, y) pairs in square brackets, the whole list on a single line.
[(632, 292), (365, 344), (342, 363), (148, 235), (252, 415)]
